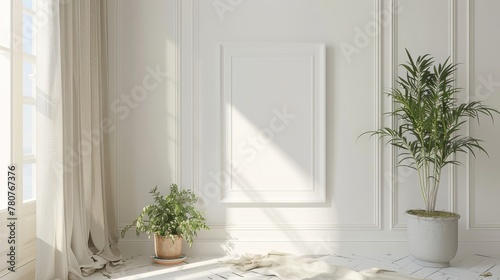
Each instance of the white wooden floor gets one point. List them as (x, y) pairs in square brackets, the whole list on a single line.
[(141, 267)]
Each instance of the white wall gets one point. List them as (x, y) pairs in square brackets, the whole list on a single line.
[(174, 132)]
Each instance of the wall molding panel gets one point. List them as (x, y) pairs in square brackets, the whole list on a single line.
[(378, 95), (193, 39), (196, 96), (452, 32), (394, 224), (395, 26), (252, 145), (178, 92), (471, 187), (470, 88), (114, 34), (118, 90)]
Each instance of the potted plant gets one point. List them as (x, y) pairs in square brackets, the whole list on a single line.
[(170, 219), (427, 136)]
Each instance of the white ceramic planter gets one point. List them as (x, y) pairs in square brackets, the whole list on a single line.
[(433, 242)]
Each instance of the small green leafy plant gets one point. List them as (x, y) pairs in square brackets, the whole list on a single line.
[(171, 215), (429, 122)]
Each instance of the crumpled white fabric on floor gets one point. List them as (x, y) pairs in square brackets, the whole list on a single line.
[(286, 266)]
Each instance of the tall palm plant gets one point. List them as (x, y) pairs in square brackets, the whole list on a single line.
[(429, 122)]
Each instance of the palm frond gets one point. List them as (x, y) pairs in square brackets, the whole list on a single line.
[(429, 120)]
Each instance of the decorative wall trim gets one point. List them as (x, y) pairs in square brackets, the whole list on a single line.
[(116, 22), (196, 96), (395, 225), (309, 57), (378, 121), (471, 223), (469, 88), (378, 95), (378, 117), (452, 45), (178, 92), (452, 29), (294, 227), (118, 88)]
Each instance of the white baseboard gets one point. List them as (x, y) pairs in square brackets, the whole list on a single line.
[(24, 272), (217, 248)]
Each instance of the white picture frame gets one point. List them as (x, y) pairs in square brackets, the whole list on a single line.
[(273, 122)]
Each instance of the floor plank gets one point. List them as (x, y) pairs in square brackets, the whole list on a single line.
[(194, 268)]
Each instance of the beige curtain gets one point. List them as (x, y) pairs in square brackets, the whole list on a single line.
[(76, 229)]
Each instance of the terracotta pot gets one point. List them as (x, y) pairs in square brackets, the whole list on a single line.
[(166, 249)]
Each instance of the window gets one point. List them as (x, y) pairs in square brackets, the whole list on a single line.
[(18, 96), (29, 100), (5, 96), (18, 123)]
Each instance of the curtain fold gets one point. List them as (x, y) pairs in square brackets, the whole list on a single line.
[(76, 227)]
